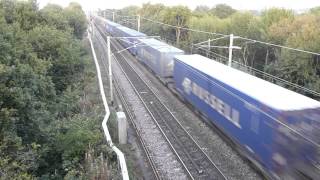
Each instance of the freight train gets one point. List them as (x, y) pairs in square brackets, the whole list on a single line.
[(277, 129)]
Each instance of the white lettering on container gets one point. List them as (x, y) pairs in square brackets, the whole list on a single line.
[(215, 103)]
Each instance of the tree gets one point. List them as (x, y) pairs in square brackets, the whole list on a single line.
[(205, 23), (41, 76), (178, 16), (76, 19), (222, 10), (240, 22), (129, 11), (152, 11), (201, 10), (132, 11), (298, 67), (274, 15), (53, 15), (315, 10)]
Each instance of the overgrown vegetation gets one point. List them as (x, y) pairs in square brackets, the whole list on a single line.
[(279, 26), (50, 112)]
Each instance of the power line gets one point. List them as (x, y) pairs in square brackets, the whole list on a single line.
[(251, 40), (280, 46), (237, 37), (286, 82)]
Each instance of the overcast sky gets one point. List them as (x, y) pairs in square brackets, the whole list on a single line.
[(237, 4)]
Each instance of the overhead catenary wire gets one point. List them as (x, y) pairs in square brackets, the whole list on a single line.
[(243, 38), (279, 46), (280, 79), (267, 114), (288, 83), (237, 37), (221, 34)]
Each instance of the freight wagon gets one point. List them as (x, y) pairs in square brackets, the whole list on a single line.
[(130, 38), (111, 27), (158, 56), (275, 127)]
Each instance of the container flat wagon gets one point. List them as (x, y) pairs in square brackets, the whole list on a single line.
[(277, 128)]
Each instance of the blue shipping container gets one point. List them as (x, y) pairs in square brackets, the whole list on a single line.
[(158, 56), (278, 128), (111, 27), (128, 42)]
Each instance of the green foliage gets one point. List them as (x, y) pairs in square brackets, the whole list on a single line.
[(63, 53), (276, 25), (315, 10), (202, 9), (76, 19), (129, 11), (74, 142), (53, 15), (222, 11), (206, 23), (274, 15), (178, 16), (43, 130), (152, 11), (240, 23), (301, 68)]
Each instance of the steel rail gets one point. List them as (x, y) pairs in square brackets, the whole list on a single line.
[(131, 117), (156, 122), (199, 170), (120, 155), (183, 148)]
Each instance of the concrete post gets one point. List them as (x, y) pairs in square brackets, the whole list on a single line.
[(230, 50), (122, 127), (113, 16), (110, 69), (208, 53), (138, 23)]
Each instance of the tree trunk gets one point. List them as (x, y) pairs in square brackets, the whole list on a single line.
[(267, 57), (178, 31), (266, 63)]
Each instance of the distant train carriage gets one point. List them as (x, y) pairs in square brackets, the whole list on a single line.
[(158, 56), (130, 38), (276, 127), (112, 27)]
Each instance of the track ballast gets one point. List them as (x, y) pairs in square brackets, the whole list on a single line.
[(195, 161)]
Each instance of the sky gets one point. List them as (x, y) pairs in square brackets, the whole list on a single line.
[(236, 4)]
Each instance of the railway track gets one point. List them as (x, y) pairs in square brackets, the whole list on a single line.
[(195, 161), (130, 115)]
